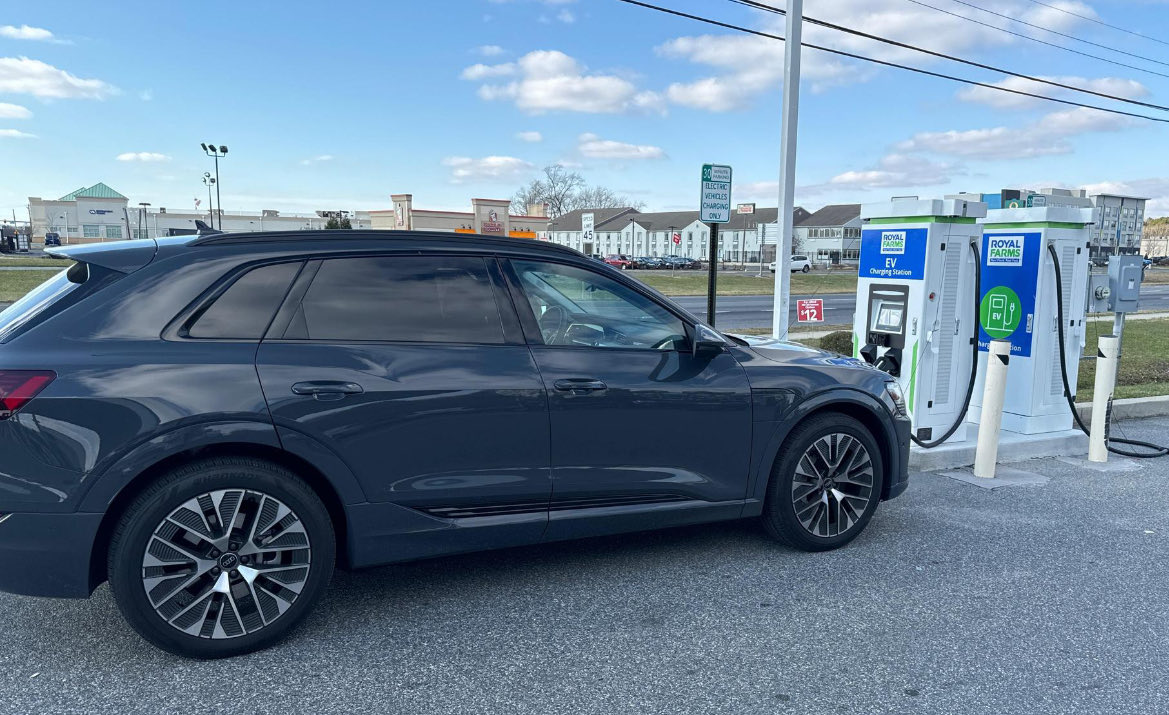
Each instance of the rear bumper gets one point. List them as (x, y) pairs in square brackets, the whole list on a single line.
[(898, 472), (47, 554)]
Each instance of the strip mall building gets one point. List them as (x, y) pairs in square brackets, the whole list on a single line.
[(489, 217)]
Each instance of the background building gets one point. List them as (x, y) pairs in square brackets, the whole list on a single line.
[(1117, 221), (832, 234), (99, 213), (489, 217), (631, 232)]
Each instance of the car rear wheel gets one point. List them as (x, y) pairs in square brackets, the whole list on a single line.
[(806, 268), (221, 557), (825, 486)]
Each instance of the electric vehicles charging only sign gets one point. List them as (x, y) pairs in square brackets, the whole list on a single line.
[(1010, 269), (716, 194), (895, 253)]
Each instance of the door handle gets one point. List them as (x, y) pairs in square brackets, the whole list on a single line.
[(580, 385), (327, 389)]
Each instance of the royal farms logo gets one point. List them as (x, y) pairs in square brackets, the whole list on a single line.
[(893, 242), (1005, 251)]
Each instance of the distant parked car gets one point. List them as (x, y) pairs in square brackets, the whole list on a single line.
[(679, 262), (52, 239), (597, 257), (799, 263), (649, 263), (619, 261)]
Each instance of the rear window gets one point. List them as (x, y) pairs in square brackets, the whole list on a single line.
[(37, 301), (400, 299), (244, 310)]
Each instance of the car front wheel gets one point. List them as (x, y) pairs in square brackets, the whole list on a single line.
[(806, 268), (221, 557), (825, 486)]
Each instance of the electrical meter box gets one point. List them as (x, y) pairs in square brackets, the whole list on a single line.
[(1019, 304), (915, 304)]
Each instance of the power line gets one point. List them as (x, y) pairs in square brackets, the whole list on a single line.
[(886, 63), (1098, 21), (1036, 39), (972, 63), (1061, 34)]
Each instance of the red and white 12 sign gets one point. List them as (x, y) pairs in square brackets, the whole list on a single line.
[(810, 310)]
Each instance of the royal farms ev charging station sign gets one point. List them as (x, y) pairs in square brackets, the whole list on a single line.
[(715, 202)]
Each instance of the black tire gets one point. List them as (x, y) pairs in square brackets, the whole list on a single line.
[(806, 269), (255, 480), (780, 510)]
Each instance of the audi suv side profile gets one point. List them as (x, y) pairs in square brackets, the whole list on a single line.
[(212, 423)]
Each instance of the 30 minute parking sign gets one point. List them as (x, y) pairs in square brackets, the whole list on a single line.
[(715, 205)]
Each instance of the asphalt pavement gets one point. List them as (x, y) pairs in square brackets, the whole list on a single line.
[(1050, 599)]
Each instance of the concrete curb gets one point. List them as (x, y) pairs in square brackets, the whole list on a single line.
[(1132, 408)]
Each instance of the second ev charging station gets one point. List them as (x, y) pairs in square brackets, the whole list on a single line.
[(1018, 302), (915, 312)]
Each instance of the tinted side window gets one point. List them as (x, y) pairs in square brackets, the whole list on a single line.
[(573, 306), (400, 298), (243, 311)]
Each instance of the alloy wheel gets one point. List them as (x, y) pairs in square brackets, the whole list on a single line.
[(226, 563), (833, 485)]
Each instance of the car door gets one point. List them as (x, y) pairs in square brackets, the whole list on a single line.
[(644, 431), (412, 370)]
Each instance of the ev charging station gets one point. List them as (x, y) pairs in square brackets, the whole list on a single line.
[(915, 305), (1019, 303)]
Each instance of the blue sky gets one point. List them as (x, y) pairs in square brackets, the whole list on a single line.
[(339, 106)]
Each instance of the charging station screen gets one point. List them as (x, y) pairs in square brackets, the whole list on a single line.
[(888, 317)]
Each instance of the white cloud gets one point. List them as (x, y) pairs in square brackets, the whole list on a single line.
[(488, 168), (549, 80), (532, 137), (146, 156), (21, 75), (14, 111), (1045, 137), (1119, 86), (489, 50), (1156, 189), (15, 134), (482, 71), (566, 17), (146, 95), (24, 32), (893, 170), (594, 147), (746, 66), (316, 159)]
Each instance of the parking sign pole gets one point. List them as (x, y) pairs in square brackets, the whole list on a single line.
[(712, 277)]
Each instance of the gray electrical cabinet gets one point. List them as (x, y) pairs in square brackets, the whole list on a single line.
[(1124, 280)]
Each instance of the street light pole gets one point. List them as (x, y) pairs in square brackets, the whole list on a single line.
[(208, 180), (787, 166), (216, 151), (142, 212)]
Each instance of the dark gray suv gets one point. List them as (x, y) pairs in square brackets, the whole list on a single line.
[(213, 422)]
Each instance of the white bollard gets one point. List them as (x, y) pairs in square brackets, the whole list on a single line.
[(998, 356), (1106, 357)]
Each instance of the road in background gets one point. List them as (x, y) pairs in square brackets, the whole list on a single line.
[(956, 600), (739, 312)]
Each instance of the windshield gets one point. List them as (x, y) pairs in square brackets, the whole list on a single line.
[(37, 300)]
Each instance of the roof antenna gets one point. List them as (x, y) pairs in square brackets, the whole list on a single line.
[(204, 230)]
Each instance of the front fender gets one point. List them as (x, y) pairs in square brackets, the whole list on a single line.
[(770, 436), (107, 485)]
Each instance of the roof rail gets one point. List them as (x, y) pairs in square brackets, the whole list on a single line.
[(220, 238)]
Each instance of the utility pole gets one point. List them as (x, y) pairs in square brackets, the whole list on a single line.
[(787, 166)]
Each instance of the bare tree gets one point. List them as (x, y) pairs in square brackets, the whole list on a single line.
[(563, 191)]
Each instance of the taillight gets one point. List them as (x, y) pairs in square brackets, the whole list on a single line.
[(17, 387)]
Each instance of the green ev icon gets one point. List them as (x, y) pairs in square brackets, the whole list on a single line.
[(1000, 312)]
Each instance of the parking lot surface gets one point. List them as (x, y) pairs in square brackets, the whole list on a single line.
[(956, 599)]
